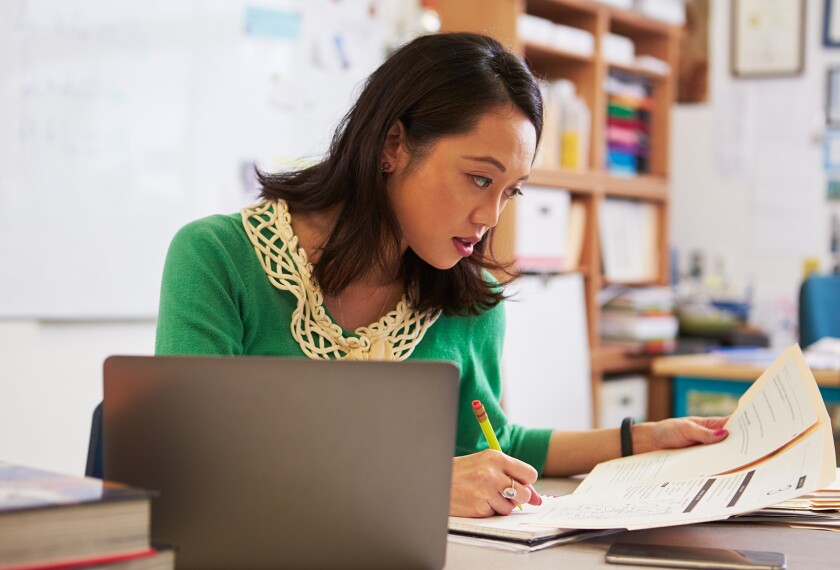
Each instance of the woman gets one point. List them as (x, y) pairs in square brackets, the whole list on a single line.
[(388, 237)]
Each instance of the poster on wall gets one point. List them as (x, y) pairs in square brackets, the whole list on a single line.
[(768, 38)]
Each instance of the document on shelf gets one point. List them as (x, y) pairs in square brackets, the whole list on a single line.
[(780, 446)]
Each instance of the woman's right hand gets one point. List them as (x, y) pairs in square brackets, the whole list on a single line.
[(479, 479)]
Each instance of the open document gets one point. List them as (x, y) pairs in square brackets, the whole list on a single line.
[(780, 446)]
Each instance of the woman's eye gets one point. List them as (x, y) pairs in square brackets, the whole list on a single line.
[(482, 181), (514, 192)]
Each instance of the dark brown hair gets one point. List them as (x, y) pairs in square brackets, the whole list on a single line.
[(437, 85)]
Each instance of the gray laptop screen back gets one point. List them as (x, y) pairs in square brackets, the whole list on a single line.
[(274, 463)]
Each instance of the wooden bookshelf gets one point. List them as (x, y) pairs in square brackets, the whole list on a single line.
[(591, 187)]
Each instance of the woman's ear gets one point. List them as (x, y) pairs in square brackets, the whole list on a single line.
[(393, 152)]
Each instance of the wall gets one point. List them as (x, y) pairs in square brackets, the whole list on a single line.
[(50, 381), (748, 186), (50, 372), (251, 70)]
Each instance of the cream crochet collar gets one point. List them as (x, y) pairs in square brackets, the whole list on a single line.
[(394, 337)]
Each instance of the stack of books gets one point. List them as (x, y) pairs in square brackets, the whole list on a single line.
[(50, 521), (642, 320), (628, 125)]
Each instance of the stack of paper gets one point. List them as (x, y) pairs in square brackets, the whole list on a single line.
[(817, 510), (780, 447), (629, 104), (514, 532), (642, 320)]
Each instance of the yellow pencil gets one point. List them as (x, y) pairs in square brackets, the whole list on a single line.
[(489, 434)]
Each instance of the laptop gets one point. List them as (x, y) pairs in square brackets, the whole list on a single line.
[(286, 463)]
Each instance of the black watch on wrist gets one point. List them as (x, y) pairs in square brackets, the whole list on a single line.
[(626, 437)]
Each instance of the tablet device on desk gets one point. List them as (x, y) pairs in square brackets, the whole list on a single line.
[(276, 463), (694, 557)]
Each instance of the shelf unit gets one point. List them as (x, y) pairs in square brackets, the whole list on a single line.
[(498, 18)]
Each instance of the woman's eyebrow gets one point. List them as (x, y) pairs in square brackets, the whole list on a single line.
[(489, 160), (494, 162)]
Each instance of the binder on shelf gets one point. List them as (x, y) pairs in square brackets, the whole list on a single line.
[(566, 128), (575, 235), (628, 232), (541, 230), (548, 153)]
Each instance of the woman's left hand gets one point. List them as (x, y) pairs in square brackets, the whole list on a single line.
[(678, 432)]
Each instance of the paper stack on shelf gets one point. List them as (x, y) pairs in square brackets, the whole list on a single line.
[(618, 49), (653, 64), (642, 320), (628, 124), (622, 4), (668, 11), (541, 31)]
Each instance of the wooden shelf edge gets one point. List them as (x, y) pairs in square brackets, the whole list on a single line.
[(583, 7), (652, 282), (647, 187), (709, 366), (607, 359), (567, 179), (638, 21), (644, 187), (535, 50), (638, 70)]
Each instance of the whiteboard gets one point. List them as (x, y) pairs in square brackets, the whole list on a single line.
[(122, 121)]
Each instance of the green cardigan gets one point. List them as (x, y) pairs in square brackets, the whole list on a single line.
[(216, 299)]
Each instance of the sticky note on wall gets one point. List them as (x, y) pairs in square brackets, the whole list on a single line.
[(271, 23)]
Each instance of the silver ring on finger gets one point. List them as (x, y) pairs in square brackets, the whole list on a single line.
[(510, 492)]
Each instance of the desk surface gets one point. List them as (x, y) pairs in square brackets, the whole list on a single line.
[(713, 366), (811, 549)]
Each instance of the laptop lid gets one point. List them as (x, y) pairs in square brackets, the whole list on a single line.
[(272, 463)]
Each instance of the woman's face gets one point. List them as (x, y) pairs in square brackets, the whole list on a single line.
[(447, 202)]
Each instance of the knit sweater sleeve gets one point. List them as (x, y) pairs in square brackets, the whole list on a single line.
[(481, 379), (202, 291)]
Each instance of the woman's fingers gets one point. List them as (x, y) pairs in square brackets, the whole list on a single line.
[(519, 470), (479, 482), (682, 432), (535, 498), (714, 423)]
